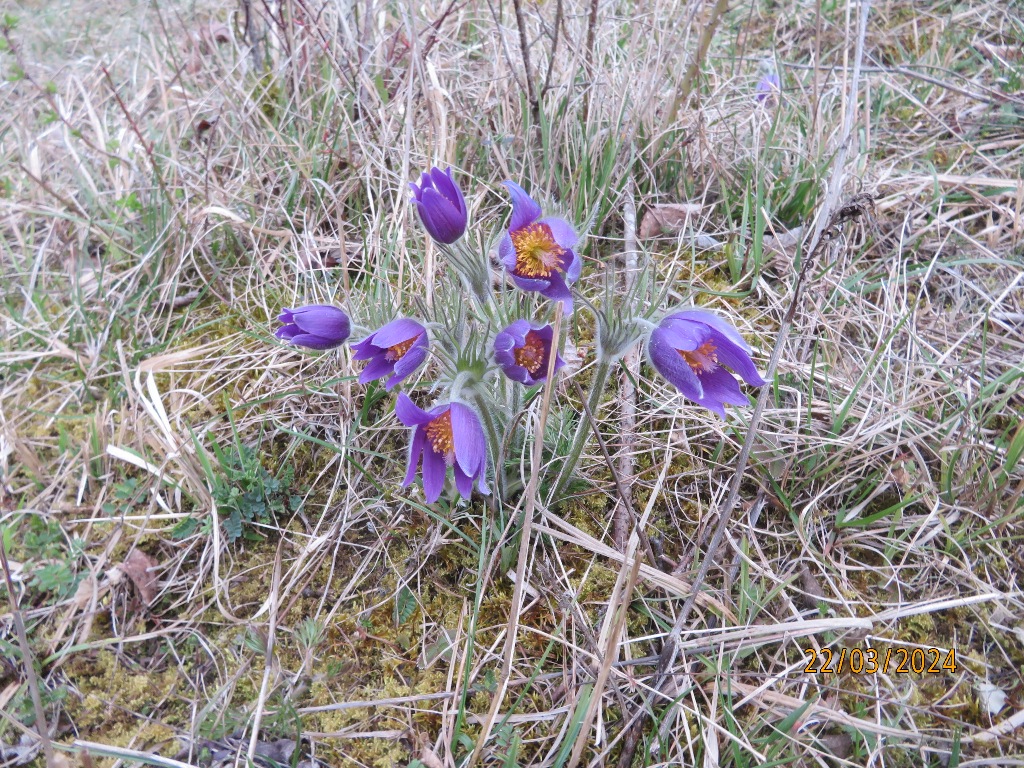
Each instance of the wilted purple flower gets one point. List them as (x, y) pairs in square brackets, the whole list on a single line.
[(396, 350), (689, 349), (441, 206), (768, 86), (446, 436), (523, 352), (317, 326), (538, 252)]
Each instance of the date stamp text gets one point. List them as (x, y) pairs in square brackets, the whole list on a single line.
[(873, 661)]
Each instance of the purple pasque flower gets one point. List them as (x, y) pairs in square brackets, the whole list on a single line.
[(441, 206), (690, 348), (537, 251), (524, 352), (768, 86), (317, 326), (396, 350), (449, 435)]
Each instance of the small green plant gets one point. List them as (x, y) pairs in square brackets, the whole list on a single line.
[(247, 495)]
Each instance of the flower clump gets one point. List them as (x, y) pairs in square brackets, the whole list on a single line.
[(493, 347)]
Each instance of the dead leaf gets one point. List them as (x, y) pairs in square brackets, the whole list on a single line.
[(137, 568), (667, 219)]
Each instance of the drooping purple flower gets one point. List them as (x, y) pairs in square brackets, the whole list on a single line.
[(690, 349), (441, 206), (396, 350), (449, 435), (316, 326), (768, 86), (524, 352), (537, 251)]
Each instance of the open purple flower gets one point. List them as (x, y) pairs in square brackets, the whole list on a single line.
[(524, 352), (689, 349), (441, 206), (396, 350), (446, 436), (317, 326), (537, 251)]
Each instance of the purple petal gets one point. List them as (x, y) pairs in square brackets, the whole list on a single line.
[(409, 413), (365, 349), (442, 220), (375, 369), (287, 332), (525, 209), (667, 360), (415, 451), (573, 266), (468, 435), (463, 482), (736, 358), (323, 320), (434, 471), (561, 230), (530, 283), (396, 332), (719, 388), (407, 366), (507, 252), (444, 183), (708, 318), (684, 334), (557, 290), (311, 341), (285, 316), (518, 374)]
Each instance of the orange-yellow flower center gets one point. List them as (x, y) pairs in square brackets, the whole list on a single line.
[(537, 253), (397, 351), (531, 354), (440, 437), (704, 359)]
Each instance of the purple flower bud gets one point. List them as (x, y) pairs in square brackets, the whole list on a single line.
[(537, 252), (441, 206), (449, 435), (524, 352), (316, 326), (690, 349), (396, 350)]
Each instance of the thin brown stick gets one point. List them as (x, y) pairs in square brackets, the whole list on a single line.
[(524, 49), (588, 57), (554, 48), (42, 728), (707, 33), (627, 389)]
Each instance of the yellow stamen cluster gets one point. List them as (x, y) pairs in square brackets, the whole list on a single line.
[(531, 354), (704, 359), (441, 438), (397, 351), (537, 253)]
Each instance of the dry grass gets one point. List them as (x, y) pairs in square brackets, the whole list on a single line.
[(161, 200)]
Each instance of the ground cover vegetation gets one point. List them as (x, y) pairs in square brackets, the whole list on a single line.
[(230, 533)]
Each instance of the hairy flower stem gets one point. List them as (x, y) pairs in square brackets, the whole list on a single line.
[(604, 367)]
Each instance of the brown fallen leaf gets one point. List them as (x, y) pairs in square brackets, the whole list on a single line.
[(137, 568), (667, 219)]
